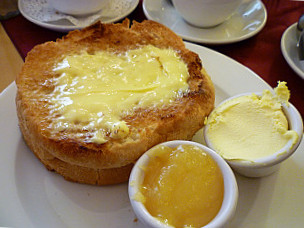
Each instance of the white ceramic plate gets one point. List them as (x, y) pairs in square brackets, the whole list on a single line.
[(289, 49), (248, 20), (31, 196), (65, 25)]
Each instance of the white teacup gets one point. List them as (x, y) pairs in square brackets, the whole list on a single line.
[(78, 7), (206, 13)]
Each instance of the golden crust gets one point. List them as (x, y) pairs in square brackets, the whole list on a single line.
[(68, 155)]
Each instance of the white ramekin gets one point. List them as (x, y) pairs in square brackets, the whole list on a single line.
[(230, 188), (266, 165)]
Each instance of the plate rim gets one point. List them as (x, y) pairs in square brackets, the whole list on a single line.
[(286, 55)]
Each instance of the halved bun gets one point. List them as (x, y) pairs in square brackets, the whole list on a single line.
[(110, 162)]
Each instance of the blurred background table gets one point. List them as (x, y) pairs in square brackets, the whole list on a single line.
[(10, 60), (261, 53)]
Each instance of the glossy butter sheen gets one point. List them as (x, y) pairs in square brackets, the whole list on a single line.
[(182, 187), (96, 90), (251, 127)]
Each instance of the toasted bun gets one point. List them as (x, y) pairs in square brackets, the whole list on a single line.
[(112, 161)]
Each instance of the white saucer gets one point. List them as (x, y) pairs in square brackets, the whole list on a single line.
[(249, 19), (289, 49), (27, 7)]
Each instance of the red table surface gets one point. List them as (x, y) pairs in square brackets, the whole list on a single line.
[(261, 53)]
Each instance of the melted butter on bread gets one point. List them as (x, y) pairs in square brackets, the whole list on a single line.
[(94, 91)]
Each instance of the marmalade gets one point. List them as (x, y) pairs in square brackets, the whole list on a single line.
[(183, 186)]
